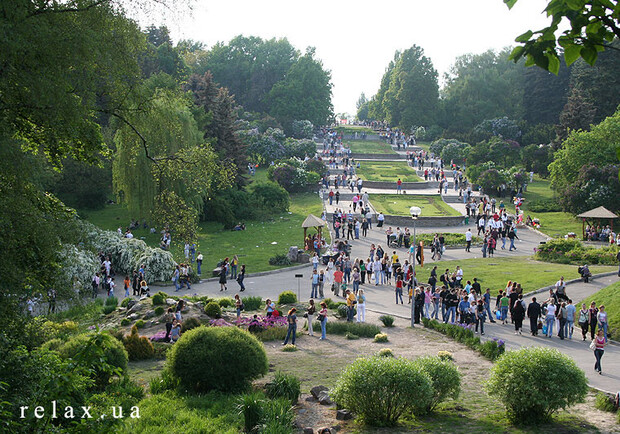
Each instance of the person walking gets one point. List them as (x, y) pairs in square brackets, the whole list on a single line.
[(480, 315), (238, 306), (361, 306), (291, 320), (486, 297), (518, 313), (351, 302), (241, 277), (310, 311), (323, 319), (570, 319), (550, 318), (601, 318), (584, 314), (468, 238), (561, 316), (599, 343), (315, 284), (199, 259), (399, 290), (533, 313), (168, 320), (504, 304), (321, 283), (223, 279), (593, 319)]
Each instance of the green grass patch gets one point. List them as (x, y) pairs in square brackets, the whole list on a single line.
[(369, 147), (253, 246), (352, 129), (387, 171), (494, 273), (609, 297), (399, 204)]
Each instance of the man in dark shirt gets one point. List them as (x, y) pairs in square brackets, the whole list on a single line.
[(533, 313), (443, 294), (476, 286)]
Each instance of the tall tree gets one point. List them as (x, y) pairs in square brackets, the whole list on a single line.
[(376, 110), (304, 93), (578, 113), (545, 94)]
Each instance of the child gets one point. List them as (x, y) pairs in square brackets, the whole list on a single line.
[(175, 333)]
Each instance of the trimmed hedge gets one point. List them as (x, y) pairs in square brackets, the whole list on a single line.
[(287, 297)]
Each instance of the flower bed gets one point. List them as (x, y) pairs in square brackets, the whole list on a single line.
[(572, 251), (464, 333)]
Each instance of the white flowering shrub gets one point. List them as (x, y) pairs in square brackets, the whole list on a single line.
[(77, 267), (158, 263)]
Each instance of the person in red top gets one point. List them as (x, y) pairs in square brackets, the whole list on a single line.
[(399, 289), (399, 186), (331, 196), (599, 349), (338, 274)]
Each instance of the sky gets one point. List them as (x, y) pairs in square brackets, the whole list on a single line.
[(357, 40)]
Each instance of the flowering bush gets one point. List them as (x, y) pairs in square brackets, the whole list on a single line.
[(264, 328), (77, 267), (159, 337)]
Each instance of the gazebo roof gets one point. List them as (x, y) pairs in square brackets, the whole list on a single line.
[(312, 221), (598, 213)]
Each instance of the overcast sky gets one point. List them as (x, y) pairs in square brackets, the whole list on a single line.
[(357, 39)]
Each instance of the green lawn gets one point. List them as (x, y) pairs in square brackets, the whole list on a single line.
[(369, 147), (609, 297), (253, 246), (554, 224), (351, 129), (387, 171), (399, 204), (494, 273), (424, 145)]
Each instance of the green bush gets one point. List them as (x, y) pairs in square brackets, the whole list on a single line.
[(165, 381), (111, 301), (287, 297), (276, 333), (351, 336), (444, 376), (381, 337), (532, 383), (252, 303), (387, 320), (140, 324), (103, 354), (445, 355), (289, 348), (159, 310), (108, 309), (125, 322), (605, 403), (277, 417), (224, 302), (126, 301), (381, 389), (213, 309), (330, 303), (251, 407), (190, 323), (138, 347), (284, 386), (204, 358), (363, 330), (159, 298), (544, 205), (52, 344), (385, 352), (341, 311), (279, 260)]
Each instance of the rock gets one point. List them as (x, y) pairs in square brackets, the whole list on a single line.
[(318, 389), (199, 305), (344, 415), (144, 297), (311, 399), (302, 411), (170, 301), (149, 314), (133, 316), (303, 258), (292, 253), (308, 430), (136, 308), (324, 399), (131, 303)]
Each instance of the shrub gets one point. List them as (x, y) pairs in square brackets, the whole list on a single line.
[(544, 205), (251, 406), (381, 389), (126, 301), (381, 337), (522, 381), (165, 381), (118, 334), (108, 309), (279, 260), (387, 320), (52, 344), (140, 324), (104, 355), (159, 298), (224, 302), (287, 297), (289, 348), (272, 334), (445, 355), (605, 403), (351, 336), (277, 417), (138, 347), (330, 303), (190, 323), (252, 303), (204, 357), (125, 322), (111, 301), (213, 309), (159, 310), (444, 376), (385, 352), (363, 330), (284, 386), (341, 311)]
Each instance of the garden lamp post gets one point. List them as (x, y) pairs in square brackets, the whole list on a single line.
[(415, 212)]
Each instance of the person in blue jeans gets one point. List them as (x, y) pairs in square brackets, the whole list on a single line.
[(570, 319), (291, 319), (550, 318), (323, 319), (487, 304), (315, 284)]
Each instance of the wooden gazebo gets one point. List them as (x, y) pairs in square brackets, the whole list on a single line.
[(596, 214), (313, 221)]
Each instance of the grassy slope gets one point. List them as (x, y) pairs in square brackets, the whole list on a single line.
[(397, 204), (369, 147), (609, 297), (253, 246), (494, 273), (387, 171)]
